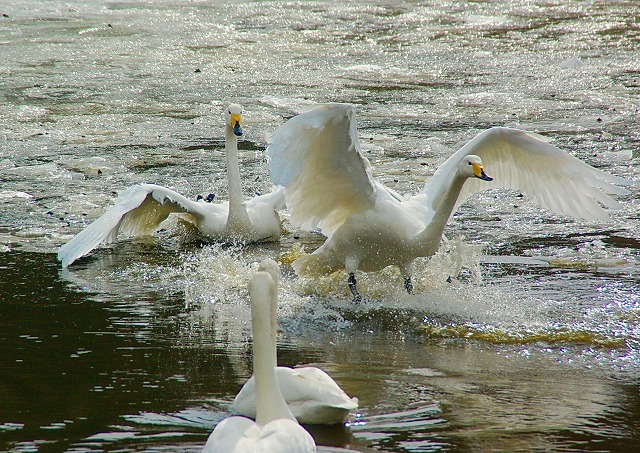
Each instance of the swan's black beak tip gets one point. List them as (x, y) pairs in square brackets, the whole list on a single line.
[(237, 130), (485, 177)]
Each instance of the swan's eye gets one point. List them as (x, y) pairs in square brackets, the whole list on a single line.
[(470, 163)]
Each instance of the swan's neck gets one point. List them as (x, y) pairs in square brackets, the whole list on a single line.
[(270, 405), (274, 328), (237, 208), (428, 240)]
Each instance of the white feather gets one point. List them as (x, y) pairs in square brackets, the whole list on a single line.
[(526, 162), (316, 156), (310, 393), (275, 429), (141, 209)]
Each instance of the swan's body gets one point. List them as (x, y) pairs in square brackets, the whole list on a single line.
[(310, 393), (275, 429), (142, 208), (316, 156)]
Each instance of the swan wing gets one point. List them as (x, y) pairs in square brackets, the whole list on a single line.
[(314, 397), (275, 199), (245, 401), (316, 157), (527, 162), (311, 394), (138, 211), (311, 383)]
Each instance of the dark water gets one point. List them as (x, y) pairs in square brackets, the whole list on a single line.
[(533, 345), (131, 371), (73, 365)]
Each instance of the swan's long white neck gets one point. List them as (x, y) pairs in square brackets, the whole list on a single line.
[(270, 404), (427, 241), (273, 318), (237, 209)]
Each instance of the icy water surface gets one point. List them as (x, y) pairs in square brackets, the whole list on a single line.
[(523, 333)]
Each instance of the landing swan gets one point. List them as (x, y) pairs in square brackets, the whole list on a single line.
[(311, 394), (142, 208), (275, 429), (316, 156)]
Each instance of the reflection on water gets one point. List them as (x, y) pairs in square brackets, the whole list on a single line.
[(138, 365)]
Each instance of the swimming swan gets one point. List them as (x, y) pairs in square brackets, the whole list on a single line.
[(142, 208), (316, 156), (275, 429), (311, 394)]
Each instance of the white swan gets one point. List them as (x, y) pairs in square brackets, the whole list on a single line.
[(142, 208), (311, 394), (275, 429), (316, 156)]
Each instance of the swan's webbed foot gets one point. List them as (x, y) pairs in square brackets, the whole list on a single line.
[(351, 281), (209, 198), (408, 285)]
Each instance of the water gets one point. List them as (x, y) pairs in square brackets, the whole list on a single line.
[(533, 345)]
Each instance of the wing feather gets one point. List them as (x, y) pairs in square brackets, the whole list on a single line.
[(316, 157), (138, 211), (526, 162)]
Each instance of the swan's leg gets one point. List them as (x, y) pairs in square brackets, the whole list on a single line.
[(352, 286), (351, 265), (408, 285), (406, 269), (209, 198)]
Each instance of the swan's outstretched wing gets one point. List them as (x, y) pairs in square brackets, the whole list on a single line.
[(137, 212), (275, 199), (526, 162), (316, 157)]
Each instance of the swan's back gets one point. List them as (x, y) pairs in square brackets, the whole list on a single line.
[(311, 394), (242, 435)]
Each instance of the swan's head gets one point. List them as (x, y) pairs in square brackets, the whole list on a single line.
[(471, 167), (272, 268), (233, 117)]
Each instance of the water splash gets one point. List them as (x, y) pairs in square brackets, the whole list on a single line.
[(451, 301)]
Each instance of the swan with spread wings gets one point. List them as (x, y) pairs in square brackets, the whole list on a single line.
[(329, 185), (143, 207)]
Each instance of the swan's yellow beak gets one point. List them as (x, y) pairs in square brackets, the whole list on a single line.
[(478, 170), (235, 124)]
